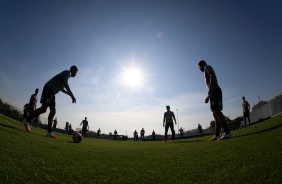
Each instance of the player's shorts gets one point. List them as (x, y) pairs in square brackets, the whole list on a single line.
[(48, 96), (84, 129), (169, 125), (216, 99), (31, 109), (246, 114)]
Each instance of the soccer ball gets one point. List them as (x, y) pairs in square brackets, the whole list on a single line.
[(77, 137)]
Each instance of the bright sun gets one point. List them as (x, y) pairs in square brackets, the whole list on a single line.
[(133, 77)]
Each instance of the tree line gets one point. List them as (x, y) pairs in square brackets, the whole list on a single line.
[(10, 110)]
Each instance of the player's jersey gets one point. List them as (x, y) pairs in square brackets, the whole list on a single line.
[(32, 100), (200, 128), (245, 106), (168, 116), (26, 108), (209, 69), (84, 123), (59, 82)]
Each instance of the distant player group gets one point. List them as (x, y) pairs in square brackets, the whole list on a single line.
[(60, 83)]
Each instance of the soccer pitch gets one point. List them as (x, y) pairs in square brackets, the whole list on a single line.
[(252, 155)]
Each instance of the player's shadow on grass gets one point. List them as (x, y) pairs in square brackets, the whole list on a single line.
[(72, 142), (187, 141), (8, 126), (262, 131)]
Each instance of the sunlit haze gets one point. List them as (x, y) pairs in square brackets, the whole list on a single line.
[(133, 77)]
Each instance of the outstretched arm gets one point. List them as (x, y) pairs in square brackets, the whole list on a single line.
[(66, 86)]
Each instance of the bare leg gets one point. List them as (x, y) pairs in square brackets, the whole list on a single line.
[(51, 117), (221, 119), (37, 112), (217, 124)]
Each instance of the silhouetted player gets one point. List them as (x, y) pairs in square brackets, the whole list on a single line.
[(51, 88), (142, 132), (215, 98), (85, 126), (168, 122), (246, 110)]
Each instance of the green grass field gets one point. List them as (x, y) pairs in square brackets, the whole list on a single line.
[(250, 156)]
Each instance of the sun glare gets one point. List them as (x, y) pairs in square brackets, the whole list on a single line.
[(133, 77)]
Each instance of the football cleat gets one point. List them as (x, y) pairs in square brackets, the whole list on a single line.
[(26, 125), (225, 136), (49, 134), (215, 138)]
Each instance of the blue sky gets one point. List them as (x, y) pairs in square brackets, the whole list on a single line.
[(162, 41)]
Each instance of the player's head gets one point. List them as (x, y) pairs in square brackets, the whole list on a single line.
[(168, 107), (85, 118), (73, 70), (36, 91), (202, 65), (243, 98)]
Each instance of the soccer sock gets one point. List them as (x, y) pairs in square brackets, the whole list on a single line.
[(226, 129), (217, 130), (29, 118), (49, 127)]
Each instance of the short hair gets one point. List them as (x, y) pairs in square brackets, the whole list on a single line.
[(243, 97), (168, 107), (37, 89), (202, 62), (73, 67)]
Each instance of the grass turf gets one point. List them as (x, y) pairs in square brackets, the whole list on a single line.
[(252, 155)]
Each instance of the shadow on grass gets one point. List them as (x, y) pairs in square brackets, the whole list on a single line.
[(261, 131), (8, 131), (72, 142), (11, 127), (185, 142)]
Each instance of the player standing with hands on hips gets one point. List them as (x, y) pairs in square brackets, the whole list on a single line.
[(168, 122), (51, 88), (215, 98)]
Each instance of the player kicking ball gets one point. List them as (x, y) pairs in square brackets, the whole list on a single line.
[(51, 88), (215, 98)]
